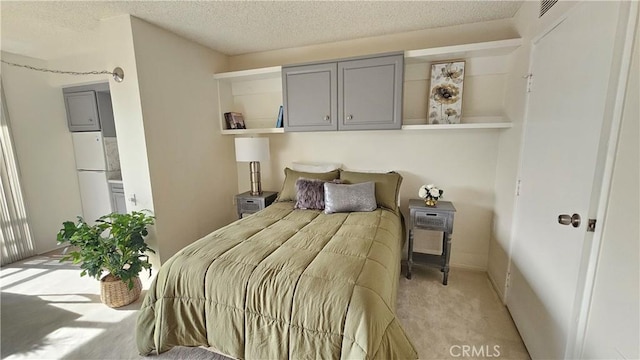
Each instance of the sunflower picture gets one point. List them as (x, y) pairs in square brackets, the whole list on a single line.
[(445, 97)]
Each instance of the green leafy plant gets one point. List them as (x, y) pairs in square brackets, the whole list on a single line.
[(115, 244)]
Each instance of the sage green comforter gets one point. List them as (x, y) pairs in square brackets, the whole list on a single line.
[(283, 283)]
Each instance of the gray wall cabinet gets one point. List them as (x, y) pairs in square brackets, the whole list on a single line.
[(82, 111), (89, 108), (370, 93), (310, 103), (354, 94)]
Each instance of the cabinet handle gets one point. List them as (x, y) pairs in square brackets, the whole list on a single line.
[(349, 117), (91, 120), (326, 118)]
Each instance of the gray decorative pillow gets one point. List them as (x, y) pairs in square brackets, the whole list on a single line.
[(345, 198), (309, 194)]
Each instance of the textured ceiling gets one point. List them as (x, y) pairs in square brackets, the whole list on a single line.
[(55, 29)]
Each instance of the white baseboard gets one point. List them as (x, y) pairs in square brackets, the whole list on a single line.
[(467, 267)]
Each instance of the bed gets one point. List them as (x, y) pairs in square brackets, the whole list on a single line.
[(284, 283)]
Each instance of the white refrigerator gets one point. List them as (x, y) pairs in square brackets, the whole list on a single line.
[(97, 162)]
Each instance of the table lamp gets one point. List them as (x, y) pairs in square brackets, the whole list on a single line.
[(253, 150)]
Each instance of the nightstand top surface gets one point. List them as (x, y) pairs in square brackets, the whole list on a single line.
[(265, 194), (441, 205)]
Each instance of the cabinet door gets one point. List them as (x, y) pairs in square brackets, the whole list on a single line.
[(370, 93), (310, 101), (82, 111)]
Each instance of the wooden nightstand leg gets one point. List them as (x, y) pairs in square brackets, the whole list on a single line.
[(447, 254), (410, 254)]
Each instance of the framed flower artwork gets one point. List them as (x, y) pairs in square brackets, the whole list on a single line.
[(445, 95)]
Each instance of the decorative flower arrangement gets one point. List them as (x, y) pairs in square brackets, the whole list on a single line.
[(430, 193)]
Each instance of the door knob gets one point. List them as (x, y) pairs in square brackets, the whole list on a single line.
[(349, 117), (326, 118), (565, 219)]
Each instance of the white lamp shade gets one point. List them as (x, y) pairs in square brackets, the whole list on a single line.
[(252, 149)]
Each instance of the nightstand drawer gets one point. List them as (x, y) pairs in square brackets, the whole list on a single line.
[(430, 220), (250, 205)]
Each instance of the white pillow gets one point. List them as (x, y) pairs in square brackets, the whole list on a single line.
[(314, 167)]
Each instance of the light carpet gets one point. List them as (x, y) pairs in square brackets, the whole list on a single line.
[(49, 312)]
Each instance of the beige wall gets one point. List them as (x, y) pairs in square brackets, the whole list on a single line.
[(191, 166), (613, 328), (44, 149), (94, 61), (463, 162), (445, 36)]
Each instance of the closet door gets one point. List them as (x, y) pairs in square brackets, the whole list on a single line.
[(370, 93), (310, 101)]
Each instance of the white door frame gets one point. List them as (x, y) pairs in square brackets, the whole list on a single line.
[(589, 262)]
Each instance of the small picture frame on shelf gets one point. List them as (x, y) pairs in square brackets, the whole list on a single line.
[(238, 120), (231, 125), (445, 92)]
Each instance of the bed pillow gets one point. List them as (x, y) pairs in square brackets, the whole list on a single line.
[(288, 192), (346, 198), (387, 185), (309, 194), (314, 167)]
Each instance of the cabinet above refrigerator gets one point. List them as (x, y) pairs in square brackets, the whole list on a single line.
[(89, 108)]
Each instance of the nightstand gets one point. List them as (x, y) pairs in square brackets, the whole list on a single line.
[(437, 218), (249, 204)]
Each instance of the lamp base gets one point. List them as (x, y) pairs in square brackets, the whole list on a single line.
[(256, 187)]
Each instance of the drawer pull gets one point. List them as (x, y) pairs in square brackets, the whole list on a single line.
[(249, 201), (431, 214)]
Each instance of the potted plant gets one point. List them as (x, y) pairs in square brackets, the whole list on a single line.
[(115, 244)]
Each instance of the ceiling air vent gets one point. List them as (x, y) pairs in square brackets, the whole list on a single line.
[(545, 5)]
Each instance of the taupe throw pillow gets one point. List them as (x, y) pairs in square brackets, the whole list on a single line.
[(288, 192), (387, 185)]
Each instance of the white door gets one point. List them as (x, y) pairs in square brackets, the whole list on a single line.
[(94, 192), (571, 67), (88, 148)]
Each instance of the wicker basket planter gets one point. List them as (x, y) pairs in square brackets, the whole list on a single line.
[(115, 293)]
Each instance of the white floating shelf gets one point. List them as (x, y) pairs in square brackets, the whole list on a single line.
[(499, 125), (489, 48), (252, 131), (252, 74)]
